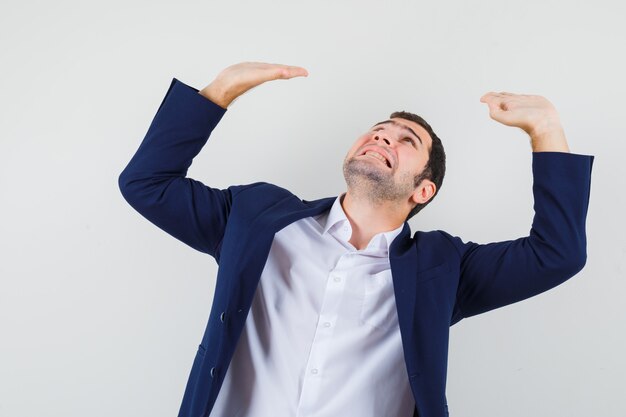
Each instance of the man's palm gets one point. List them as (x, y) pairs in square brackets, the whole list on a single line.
[(235, 80)]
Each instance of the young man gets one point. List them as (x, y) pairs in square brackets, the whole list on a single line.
[(330, 307)]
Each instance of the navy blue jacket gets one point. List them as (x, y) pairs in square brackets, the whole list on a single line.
[(438, 279)]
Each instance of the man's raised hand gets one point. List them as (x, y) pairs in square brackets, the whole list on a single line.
[(533, 114), (235, 80)]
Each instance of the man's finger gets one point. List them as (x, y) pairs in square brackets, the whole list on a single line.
[(496, 95), (488, 96), (289, 71)]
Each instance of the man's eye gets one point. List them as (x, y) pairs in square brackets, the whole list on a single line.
[(410, 140)]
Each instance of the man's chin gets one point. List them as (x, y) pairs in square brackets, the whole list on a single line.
[(360, 175)]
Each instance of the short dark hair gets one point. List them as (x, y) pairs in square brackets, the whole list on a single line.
[(435, 168)]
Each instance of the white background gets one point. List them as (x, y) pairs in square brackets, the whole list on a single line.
[(101, 312)]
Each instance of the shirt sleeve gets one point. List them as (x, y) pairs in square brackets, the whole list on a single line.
[(501, 273), (154, 182)]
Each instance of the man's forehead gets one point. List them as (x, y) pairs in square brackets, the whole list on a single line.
[(411, 126)]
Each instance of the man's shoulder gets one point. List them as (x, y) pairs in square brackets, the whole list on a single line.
[(426, 240), (264, 194), (259, 187)]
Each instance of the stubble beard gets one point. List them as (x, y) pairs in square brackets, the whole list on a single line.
[(375, 183)]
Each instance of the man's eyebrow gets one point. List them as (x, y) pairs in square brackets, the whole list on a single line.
[(405, 128)]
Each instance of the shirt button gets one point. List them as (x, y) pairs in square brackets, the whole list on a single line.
[(345, 228), (337, 279), (314, 371), (222, 316), (212, 372), (327, 324)]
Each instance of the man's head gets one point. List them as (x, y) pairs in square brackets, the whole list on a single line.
[(412, 166)]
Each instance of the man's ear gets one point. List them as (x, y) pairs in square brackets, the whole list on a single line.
[(424, 191)]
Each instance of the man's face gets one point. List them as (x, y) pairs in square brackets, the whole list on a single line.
[(386, 159)]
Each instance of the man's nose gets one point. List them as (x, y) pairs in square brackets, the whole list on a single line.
[(379, 137)]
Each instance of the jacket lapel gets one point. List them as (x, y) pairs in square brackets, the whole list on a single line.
[(404, 263), (258, 242)]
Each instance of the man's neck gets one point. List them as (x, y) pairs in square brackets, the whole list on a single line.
[(368, 219)]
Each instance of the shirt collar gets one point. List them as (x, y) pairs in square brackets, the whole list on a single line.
[(337, 221)]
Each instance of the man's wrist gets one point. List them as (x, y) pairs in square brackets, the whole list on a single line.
[(216, 94), (549, 138)]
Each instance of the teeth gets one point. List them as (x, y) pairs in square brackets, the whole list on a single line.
[(377, 156)]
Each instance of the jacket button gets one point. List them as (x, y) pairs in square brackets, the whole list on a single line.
[(212, 372), (222, 316)]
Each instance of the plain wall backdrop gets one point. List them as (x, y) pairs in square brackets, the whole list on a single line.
[(101, 312)]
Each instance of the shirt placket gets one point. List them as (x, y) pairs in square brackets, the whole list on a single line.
[(316, 367)]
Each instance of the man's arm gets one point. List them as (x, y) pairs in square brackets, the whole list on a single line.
[(497, 274), (154, 182)]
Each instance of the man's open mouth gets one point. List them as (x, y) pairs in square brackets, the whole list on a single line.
[(373, 154)]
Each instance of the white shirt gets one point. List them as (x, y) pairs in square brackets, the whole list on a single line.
[(322, 336)]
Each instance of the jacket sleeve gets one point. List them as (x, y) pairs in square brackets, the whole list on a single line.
[(501, 273), (154, 182)]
